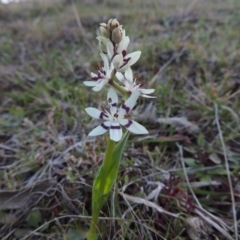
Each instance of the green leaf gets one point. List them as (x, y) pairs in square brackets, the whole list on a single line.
[(34, 218), (100, 195), (126, 179), (218, 171), (233, 158), (7, 218), (206, 178), (116, 158), (73, 234), (200, 140), (19, 233), (163, 139), (191, 162), (97, 195)]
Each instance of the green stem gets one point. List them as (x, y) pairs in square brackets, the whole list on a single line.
[(115, 85), (118, 88), (93, 227), (95, 209), (107, 163)]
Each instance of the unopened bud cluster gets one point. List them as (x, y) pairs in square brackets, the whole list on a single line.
[(112, 30)]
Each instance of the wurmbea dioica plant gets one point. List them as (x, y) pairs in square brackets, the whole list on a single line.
[(116, 62)]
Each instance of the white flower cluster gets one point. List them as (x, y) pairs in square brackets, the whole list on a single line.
[(113, 44)]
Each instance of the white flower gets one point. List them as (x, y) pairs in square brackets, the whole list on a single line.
[(116, 117), (123, 63), (103, 76), (131, 85), (119, 57)]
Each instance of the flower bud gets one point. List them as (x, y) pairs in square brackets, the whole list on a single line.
[(117, 35), (104, 30), (113, 23), (103, 43)]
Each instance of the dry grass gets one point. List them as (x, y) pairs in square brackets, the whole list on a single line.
[(181, 181)]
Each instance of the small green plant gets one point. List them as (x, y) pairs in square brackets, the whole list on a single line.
[(113, 44)]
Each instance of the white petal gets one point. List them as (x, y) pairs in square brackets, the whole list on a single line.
[(95, 113), (112, 99), (120, 77), (102, 39), (112, 94), (101, 129), (129, 104), (123, 80), (123, 44), (111, 66), (148, 96), (123, 68), (134, 57), (105, 60), (102, 47), (133, 126), (103, 43), (123, 33), (146, 91), (100, 85), (115, 132), (117, 61), (90, 83), (110, 51), (108, 73), (93, 75), (137, 128), (129, 74), (131, 101)]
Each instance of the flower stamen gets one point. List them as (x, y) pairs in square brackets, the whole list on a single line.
[(127, 115)]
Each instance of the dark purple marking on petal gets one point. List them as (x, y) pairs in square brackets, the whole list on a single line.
[(102, 115), (124, 53), (115, 127), (95, 78), (126, 60), (128, 124), (123, 65), (104, 126), (125, 107), (102, 72), (114, 104), (114, 54)]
